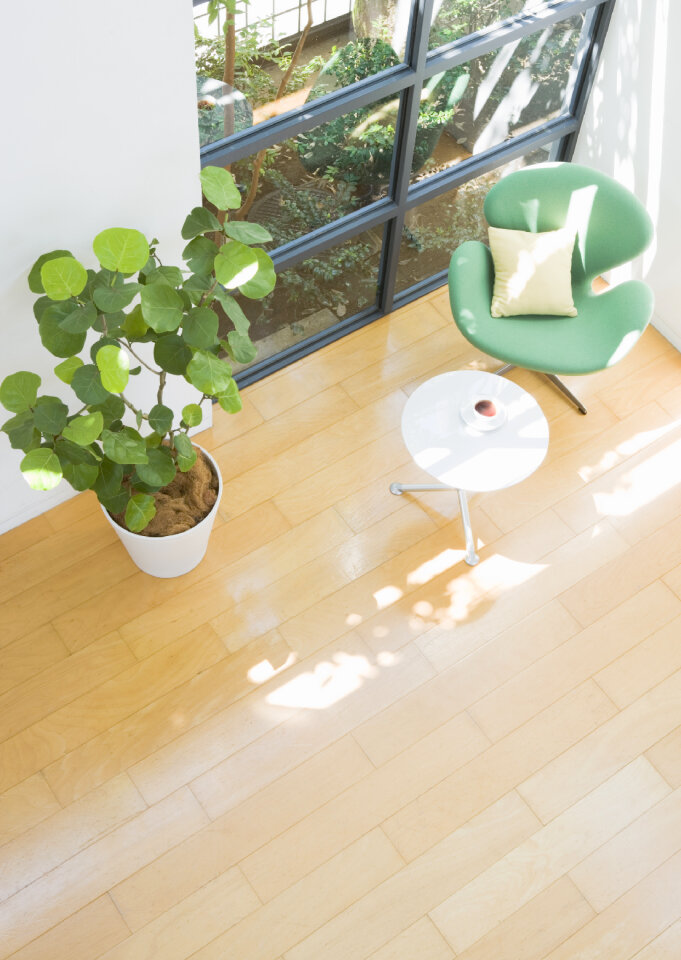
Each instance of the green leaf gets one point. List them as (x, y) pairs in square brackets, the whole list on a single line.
[(200, 254), (19, 391), (111, 409), (161, 419), (139, 512), (40, 307), (230, 400), (192, 414), (116, 503), (172, 354), (113, 365), (242, 348), (58, 341), (84, 430), (159, 471), (199, 221), (121, 249), (208, 374), (109, 478), (200, 327), (35, 283), (98, 344), (63, 277), (112, 299), (247, 232), (125, 446), (79, 318), (50, 415), (41, 469), (81, 476), (87, 385), (235, 264), (22, 432), (79, 466), (171, 276), (187, 301), (196, 287), (135, 326), (186, 453), (110, 324), (264, 280), (233, 310), (66, 369), (219, 188), (161, 307)]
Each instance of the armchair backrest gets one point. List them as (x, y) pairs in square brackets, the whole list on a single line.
[(612, 225)]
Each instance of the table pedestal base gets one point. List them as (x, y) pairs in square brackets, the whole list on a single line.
[(471, 557)]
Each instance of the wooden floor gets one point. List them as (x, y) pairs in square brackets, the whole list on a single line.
[(334, 740)]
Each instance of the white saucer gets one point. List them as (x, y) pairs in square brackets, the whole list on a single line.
[(477, 420)]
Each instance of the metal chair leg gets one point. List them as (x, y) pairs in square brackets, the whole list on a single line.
[(568, 393), (502, 370)]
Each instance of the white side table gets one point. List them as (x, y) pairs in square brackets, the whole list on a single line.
[(464, 458)]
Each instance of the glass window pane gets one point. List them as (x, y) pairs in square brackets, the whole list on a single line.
[(345, 43), (453, 19), (478, 105), (435, 229), (312, 180), (316, 294)]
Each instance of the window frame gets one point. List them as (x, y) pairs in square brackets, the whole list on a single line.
[(406, 80)]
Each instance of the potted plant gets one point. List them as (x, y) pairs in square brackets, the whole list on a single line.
[(158, 490)]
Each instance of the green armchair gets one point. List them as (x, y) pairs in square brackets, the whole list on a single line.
[(612, 228)]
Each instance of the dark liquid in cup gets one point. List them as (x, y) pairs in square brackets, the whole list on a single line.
[(485, 408)]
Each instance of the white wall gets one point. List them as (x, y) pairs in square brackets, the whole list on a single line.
[(99, 129), (632, 131)]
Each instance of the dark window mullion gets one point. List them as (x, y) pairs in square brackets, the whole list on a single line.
[(587, 76), (333, 234), (404, 151), (271, 132), (475, 166)]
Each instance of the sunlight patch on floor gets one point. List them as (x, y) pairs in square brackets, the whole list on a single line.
[(326, 684), (628, 447), (264, 671), (386, 596), (643, 484)]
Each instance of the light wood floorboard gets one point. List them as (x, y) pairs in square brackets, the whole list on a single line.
[(334, 740)]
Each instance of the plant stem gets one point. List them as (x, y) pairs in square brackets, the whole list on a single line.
[(228, 75), (126, 344), (208, 293), (159, 395), (253, 189), (131, 406)]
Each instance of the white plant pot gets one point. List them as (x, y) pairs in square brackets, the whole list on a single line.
[(176, 554)]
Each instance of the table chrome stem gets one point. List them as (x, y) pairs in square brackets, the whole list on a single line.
[(471, 556), (399, 488)]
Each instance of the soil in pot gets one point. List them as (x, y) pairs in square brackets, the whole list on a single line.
[(183, 503)]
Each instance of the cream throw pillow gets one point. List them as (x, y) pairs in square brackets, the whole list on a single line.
[(532, 272)]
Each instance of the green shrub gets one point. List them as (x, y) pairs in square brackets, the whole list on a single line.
[(358, 146)]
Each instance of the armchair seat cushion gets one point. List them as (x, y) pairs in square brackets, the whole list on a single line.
[(606, 327)]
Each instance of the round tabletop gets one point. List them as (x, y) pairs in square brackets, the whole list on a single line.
[(462, 456)]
